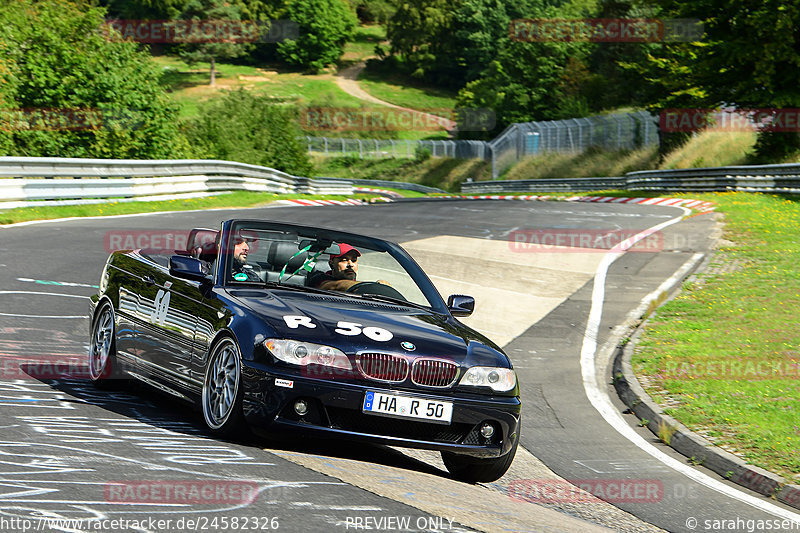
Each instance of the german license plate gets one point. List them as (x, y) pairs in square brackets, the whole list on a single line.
[(380, 403)]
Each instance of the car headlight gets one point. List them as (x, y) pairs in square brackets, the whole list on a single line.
[(306, 353), (499, 379)]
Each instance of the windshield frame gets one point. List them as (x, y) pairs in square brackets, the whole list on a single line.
[(231, 227)]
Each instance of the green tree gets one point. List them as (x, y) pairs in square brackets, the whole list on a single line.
[(479, 26), (531, 80), (615, 79), (420, 31), (324, 28), (198, 47), (373, 11), (748, 58), (170, 9), (56, 62), (143, 9), (250, 128)]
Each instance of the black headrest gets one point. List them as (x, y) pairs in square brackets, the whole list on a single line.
[(208, 252), (199, 236), (281, 252)]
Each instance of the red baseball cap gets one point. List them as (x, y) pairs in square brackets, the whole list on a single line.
[(344, 248)]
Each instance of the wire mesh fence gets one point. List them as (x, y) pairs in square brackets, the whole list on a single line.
[(612, 132), (376, 148)]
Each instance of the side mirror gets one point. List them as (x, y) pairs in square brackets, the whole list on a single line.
[(460, 305), (189, 268)]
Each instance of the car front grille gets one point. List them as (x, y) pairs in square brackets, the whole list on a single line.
[(434, 373), (383, 367)]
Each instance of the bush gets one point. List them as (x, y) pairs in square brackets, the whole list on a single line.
[(251, 129), (774, 147), (59, 67), (422, 154)]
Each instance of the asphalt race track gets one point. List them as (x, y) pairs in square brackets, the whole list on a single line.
[(70, 451)]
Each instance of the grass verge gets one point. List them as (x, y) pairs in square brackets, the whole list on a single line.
[(399, 90), (591, 163), (189, 88), (712, 149), (706, 149), (725, 353), (232, 200), (362, 45), (445, 173)]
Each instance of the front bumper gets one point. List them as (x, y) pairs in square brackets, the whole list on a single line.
[(335, 410)]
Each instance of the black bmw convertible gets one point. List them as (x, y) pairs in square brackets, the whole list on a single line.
[(259, 339)]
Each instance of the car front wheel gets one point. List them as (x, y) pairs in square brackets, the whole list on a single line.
[(222, 390)]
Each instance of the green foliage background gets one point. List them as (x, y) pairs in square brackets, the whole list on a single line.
[(55, 57), (325, 26), (251, 129)]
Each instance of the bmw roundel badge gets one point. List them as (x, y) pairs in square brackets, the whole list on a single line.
[(408, 346)]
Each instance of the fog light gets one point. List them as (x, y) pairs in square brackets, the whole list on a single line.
[(487, 430), (301, 407)]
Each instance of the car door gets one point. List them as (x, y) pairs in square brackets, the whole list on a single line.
[(165, 334)]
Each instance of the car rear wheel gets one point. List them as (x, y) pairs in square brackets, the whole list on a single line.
[(222, 390), (103, 366), (477, 470)]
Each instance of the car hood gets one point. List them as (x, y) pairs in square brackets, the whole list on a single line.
[(355, 325)]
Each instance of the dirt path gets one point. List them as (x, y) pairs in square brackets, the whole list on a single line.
[(347, 81)]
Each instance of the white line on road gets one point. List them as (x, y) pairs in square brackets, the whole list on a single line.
[(602, 403), (17, 315)]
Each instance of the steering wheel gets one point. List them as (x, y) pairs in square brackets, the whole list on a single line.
[(373, 287)]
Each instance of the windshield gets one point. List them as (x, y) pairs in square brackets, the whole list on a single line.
[(318, 260)]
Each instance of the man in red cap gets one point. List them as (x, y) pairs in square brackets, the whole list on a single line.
[(344, 268)]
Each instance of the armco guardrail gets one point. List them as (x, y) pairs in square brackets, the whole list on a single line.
[(387, 183), (543, 185), (783, 178), (91, 180)]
